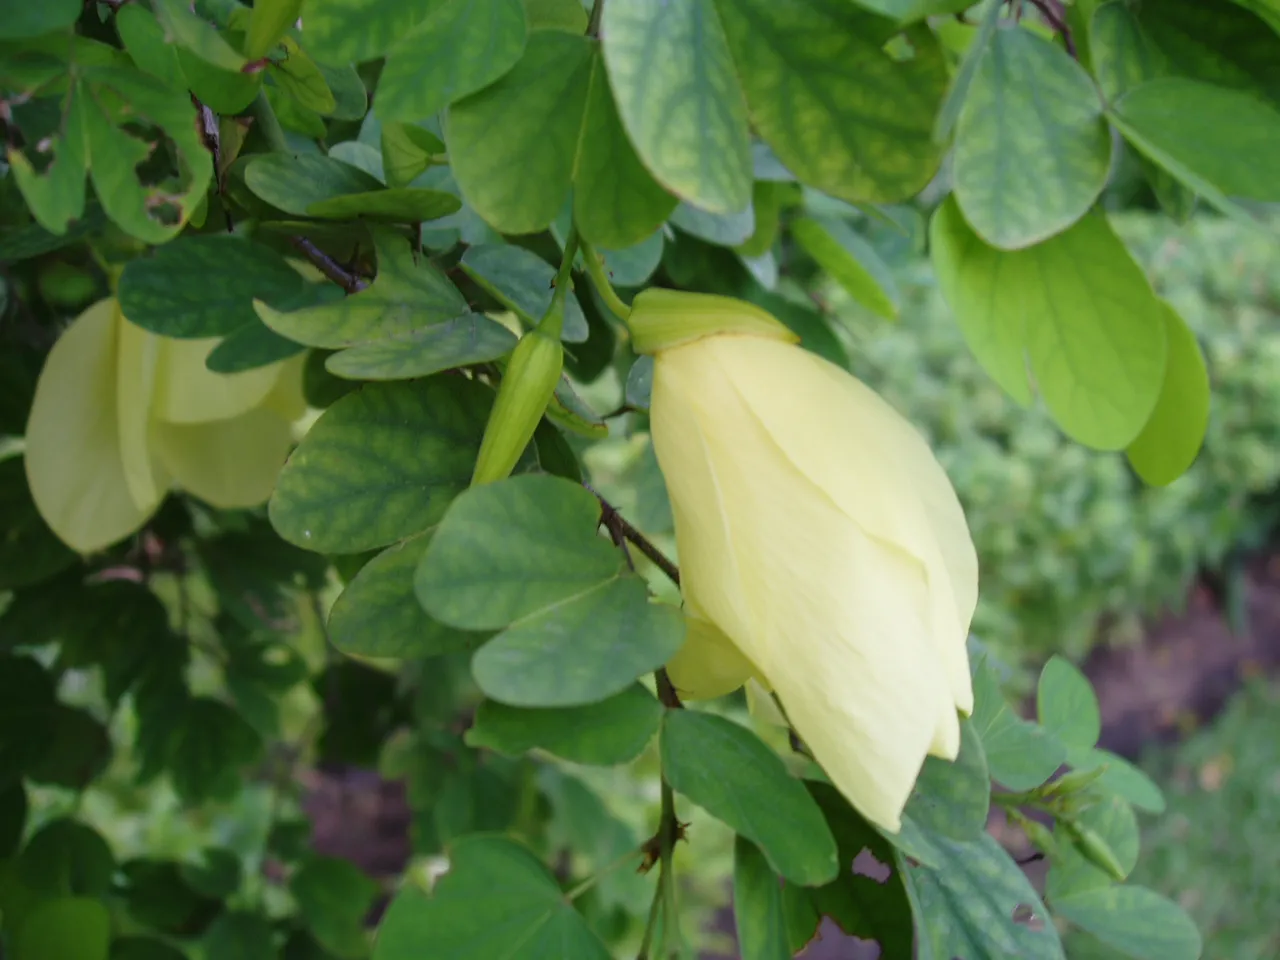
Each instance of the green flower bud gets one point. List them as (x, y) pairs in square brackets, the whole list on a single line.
[(527, 387), (1096, 850), (1040, 836)]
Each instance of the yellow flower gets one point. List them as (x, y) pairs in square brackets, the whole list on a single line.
[(823, 551), (121, 416)]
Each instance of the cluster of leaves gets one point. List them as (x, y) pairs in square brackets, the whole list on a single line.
[(493, 635)]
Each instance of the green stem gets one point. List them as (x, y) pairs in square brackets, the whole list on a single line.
[(666, 871), (268, 123), (593, 26), (600, 280), (629, 857), (651, 925), (552, 321)]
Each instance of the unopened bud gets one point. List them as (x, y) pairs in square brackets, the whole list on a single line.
[(1096, 850), (527, 387)]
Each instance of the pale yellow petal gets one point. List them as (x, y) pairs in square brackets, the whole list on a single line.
[(137, 361), (72, 457), (188, 392), (761, 704), (875, 466), (708, 665), (228, 464), (286, 398), (838, 624)]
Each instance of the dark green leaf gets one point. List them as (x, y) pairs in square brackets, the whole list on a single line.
[(144, 39), (461, 47), (268, 23), (1020, 755), (758, 908), (836, 108), (567, 15), (251, 346), (295, 182), (78, 753), (394, 205), (519, 181), (607, 733), (204, 286), (351, 100), (24, 20), (378, 614), (334, 896), (460, 342), (407, 150), (1135, 920), (973, 905), (851, 261), (724, 230), (361, 708), (157, 896), (1032, 150), (1071, 872), (678, 97), (496, 893), (240, 936), (144, 948), (183, 26), (29, 550), (56, 196), (211, 747), (951, 798), (333, 499), (352, 31), (74, 928), (1067, 705), (298, 77), (27, 708), (217, 875), (730, 773), (13, 818), (524, 283), (67, 858), (223, 91)]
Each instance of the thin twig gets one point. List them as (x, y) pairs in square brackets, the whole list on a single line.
[(616, 522), (1056, 16), (330, 267)]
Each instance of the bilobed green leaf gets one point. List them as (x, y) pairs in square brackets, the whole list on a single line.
[(470, 339), (607, 733), (518, 182), (951, 798), (267, 24), (333, 497), (758, 909), (378, 615), (293, 182), (1076, 308), (836, 108), (1171, 440), (204, 286), (524, 283), (407, 151), (352, 31), (673, 79), (334, 896), (1032, 149), (1070, 871), (251, 346), (405, 297), (239, 935), (395, 205), (187, 29), (1208, 137), (970, 905), (1020, 755), (462, 46), (730, 773), (616, 201), (851, 261), (22, 21), (722, 229), (29, 550), (1067, 705), (72, 928), (56, 196), (498, 897), (1137, 921)]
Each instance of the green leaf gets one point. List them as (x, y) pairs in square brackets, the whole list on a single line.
[(724, 230), (1032, 149), (13, 818), (758, 910), (188, 30), (1020, 755), (22, 21), (408, 151), (65, 857), (79, 751), (566, 15), (1171, 440), (156, 896), (962, 81), (852, 263), (395, 205), (634, 265), (223, 91), (1075, 307), (74, 928), (1067, 705), (333, 897), (611, 732), (1123, 56), (29, 550), (267, 24), (969, 906), (1120, 777), (1071, 872), (460, 342), (616, 201), (1135, 920), (378, 615), (405, 297), (673, 78), (211, 746), (144, 948), (353, 31), (497, 898), (862, 903), (218, 874), (237, 935), (951, 798), (204, 286), (524, 283), (730, 773), (253, 345), (1206, 136), (298, 77), (27, 705), (351, 99), (461, 47), (333, 498), (294, 182), (518, 182), (836, 108), (56, 197)]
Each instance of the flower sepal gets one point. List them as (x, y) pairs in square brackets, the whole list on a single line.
[(662, 319)]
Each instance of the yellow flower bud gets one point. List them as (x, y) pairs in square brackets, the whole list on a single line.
[(121, 416), (822, 548), (527, 387)]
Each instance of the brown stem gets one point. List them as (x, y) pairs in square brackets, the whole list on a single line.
[(620, 528), (330, 267)]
